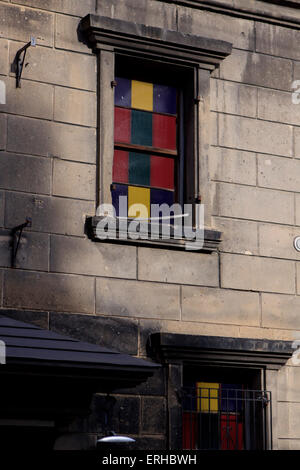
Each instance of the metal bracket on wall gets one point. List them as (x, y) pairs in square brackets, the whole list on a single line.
[(19, 60), (16, 237)]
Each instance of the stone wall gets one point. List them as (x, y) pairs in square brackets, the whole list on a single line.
[(115, 294)]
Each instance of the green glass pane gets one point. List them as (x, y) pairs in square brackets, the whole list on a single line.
[(139, 168), (141, 128)]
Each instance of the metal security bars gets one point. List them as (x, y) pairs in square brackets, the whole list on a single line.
[(217, 417)]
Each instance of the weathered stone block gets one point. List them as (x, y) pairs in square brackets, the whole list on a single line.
[(257, 69), (212, 25), (288, 384), (114, 333), (72, 7), (3, 131), (148, 12), (3, 57), (244, 202), (126, 415), (178, 267), (278, 173), (47, 138), (154, 385), (36, 318), (47, 291), (278, 241), (259, 274), (288, 444), (32, 99), (277, 40), (82, 256), (146, 443), (280, 311), (298, 278), (232, 166), (20, 23), (137, 299), (66, 34), (1, 208), (1, 287), (22, 173), (76, 180), (213, 119), (297, 199), (277, 106), (256, 136), (75, 106), (233, 98), (288, 417), (297, 141), (33, 251), (220, 306), (48, 214), (59, 67), (238, 236), (154, 415)]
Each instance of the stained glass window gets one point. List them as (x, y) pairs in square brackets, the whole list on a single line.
[(145, 135)]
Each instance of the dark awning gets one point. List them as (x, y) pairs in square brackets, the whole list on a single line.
[(32, 347)]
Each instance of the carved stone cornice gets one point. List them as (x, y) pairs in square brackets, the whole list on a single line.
[(148, 41)]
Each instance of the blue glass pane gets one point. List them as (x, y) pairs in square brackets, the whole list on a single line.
[(164, 99), (123, 92), (118, 190)]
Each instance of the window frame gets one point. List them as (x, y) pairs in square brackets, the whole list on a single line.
[(177, 351), (110, 37), (159, 75)]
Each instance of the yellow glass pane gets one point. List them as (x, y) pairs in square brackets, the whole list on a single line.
[(142, 95), (207, 396), (138, 202)]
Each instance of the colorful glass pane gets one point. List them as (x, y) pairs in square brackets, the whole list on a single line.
[(142, 95), (207, 396), (139, 168), (118, 190), (161, 196), (164, 132), (122, 125), (138, 202), (162, 172), (141, 128), (120, 167), (123, 92), (164, 99)]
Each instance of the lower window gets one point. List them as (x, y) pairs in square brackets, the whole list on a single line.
[(225, 409)]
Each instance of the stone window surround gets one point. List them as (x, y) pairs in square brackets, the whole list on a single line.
[(109, 37), (175, 351)]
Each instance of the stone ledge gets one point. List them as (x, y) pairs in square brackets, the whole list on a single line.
[(174, 348), (212, 238)]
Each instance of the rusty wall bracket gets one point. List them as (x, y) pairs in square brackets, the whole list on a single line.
[(16, 237), (19, 60)]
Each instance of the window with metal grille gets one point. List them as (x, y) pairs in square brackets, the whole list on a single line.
[(219, 415)]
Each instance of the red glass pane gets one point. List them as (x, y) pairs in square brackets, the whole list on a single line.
[(120, 167), (162, 172), (164, 132), (122, 125)]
